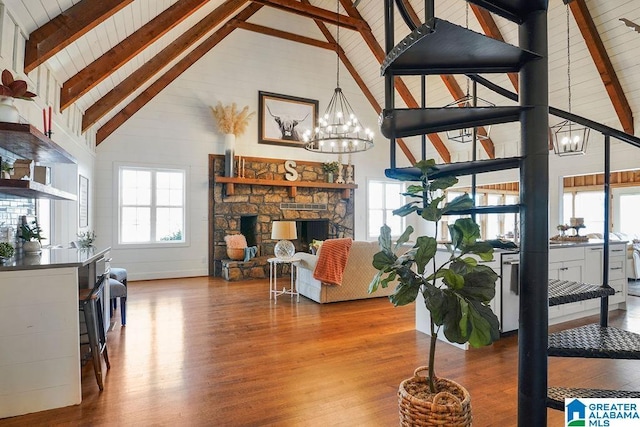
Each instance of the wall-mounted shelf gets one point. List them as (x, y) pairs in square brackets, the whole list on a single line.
[(292, 185), (33, 190), (27, 141)]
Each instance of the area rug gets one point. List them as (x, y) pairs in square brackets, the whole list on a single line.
[(634, 288)]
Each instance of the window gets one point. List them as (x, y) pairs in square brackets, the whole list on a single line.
[(152, 205), (383, 198), (588, 205), (629, 208)]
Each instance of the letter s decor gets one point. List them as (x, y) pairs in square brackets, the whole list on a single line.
[(292, 173)]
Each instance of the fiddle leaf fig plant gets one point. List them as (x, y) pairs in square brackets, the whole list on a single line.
[(457, 290)]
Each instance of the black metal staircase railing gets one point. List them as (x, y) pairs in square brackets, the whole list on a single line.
[(440, 47)]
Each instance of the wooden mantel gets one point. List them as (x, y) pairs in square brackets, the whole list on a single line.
[(292, 185)]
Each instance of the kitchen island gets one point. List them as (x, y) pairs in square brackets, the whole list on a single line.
[(39, 327)]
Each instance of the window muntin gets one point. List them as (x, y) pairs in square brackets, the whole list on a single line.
[(383, 198)]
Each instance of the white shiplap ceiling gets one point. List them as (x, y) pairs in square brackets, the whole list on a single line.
[(589, 97)]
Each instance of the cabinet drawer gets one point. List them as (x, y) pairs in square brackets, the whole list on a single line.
[(616, 269), (617, 251), (566, 254)]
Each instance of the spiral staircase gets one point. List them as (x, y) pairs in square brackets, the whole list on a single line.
[(440, 47)]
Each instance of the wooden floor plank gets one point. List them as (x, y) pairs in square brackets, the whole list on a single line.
[(202, 351)]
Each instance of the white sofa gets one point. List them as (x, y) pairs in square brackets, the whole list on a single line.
[(356, 279)]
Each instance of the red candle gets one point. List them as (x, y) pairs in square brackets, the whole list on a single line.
[(44, 119), (49, 118)]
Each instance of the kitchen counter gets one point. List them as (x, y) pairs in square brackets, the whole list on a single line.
[(54, 258)]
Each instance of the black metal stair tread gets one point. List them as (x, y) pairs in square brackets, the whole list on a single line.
[(405, 122), (565, 291), (481, 210), (440, 47), (513, 10), (455, 169), (556, 395), (595, 341)]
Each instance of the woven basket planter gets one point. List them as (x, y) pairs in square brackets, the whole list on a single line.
[(235, 254), (450, 406)]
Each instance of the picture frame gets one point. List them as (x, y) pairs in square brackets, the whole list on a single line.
[(83, 201), (283, 119)]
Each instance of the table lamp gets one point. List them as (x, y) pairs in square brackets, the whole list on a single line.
[(284, 231)]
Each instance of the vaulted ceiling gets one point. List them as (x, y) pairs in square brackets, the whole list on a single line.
[(114, 56)]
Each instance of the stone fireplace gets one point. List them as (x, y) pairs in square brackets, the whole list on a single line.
[(250, 204)]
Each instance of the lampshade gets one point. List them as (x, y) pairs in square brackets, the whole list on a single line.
[(465, 135), (283, 230)]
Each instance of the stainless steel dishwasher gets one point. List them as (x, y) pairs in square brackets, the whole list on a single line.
[(509, 292)]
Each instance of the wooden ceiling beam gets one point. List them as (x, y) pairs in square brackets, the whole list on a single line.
[(400, 87), (150, 68), (490, 28), (601, 59), (173, 73), (314, 12), (66, 28), (361, 84), (117, 56), (281, 34)]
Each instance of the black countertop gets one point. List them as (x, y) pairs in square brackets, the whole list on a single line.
[(54, 258)]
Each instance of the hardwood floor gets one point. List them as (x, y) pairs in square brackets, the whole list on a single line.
[(205, 352)]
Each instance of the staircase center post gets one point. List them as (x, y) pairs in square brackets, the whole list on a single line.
[(534, 226)]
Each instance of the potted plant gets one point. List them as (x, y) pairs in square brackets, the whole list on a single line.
[(330, 168), (30, 234), (86, 239), (5, 170), (11, 89), (456, 293), (236, 243), (232, 123), (6, 251)]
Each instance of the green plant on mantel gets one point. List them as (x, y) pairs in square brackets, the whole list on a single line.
[(31, 232), (6, 167), (456, 293), (6, 250), (331, 167)]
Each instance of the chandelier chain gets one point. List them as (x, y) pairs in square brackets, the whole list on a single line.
[(338, 45), (568, 60)]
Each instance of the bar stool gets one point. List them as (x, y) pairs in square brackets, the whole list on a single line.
[(91, 307), (118, 289)]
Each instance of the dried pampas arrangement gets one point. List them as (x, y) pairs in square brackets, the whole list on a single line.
[(230, 120)]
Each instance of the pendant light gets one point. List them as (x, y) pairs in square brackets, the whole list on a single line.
[(465, 135), (338, 130), (569, 138)]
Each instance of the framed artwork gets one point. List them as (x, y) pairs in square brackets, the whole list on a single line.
[(83, 202), (283, 119)]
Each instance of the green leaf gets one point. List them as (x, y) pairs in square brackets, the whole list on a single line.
[(479, 284), (443, 183), (483, 249), (485, 327), (426, 166), (383, 260), (373, 286), (414, 190), (404, 294), (452, 279), (469, 230), (459, 203), (384, 239), (426, 250), (407, 209), (404, 238), (432, 212)]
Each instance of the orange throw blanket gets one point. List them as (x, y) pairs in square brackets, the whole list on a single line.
[(332, 261)]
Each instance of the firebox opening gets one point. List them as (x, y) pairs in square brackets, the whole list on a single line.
[(248, 227), (309, 230)]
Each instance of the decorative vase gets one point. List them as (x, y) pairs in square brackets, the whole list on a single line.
[(449, 406), (31, 247), (8, 111), (330, 177), (235, 254), (229, 153)]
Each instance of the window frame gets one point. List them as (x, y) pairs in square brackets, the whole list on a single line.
[(384, 182), (153, 168)]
